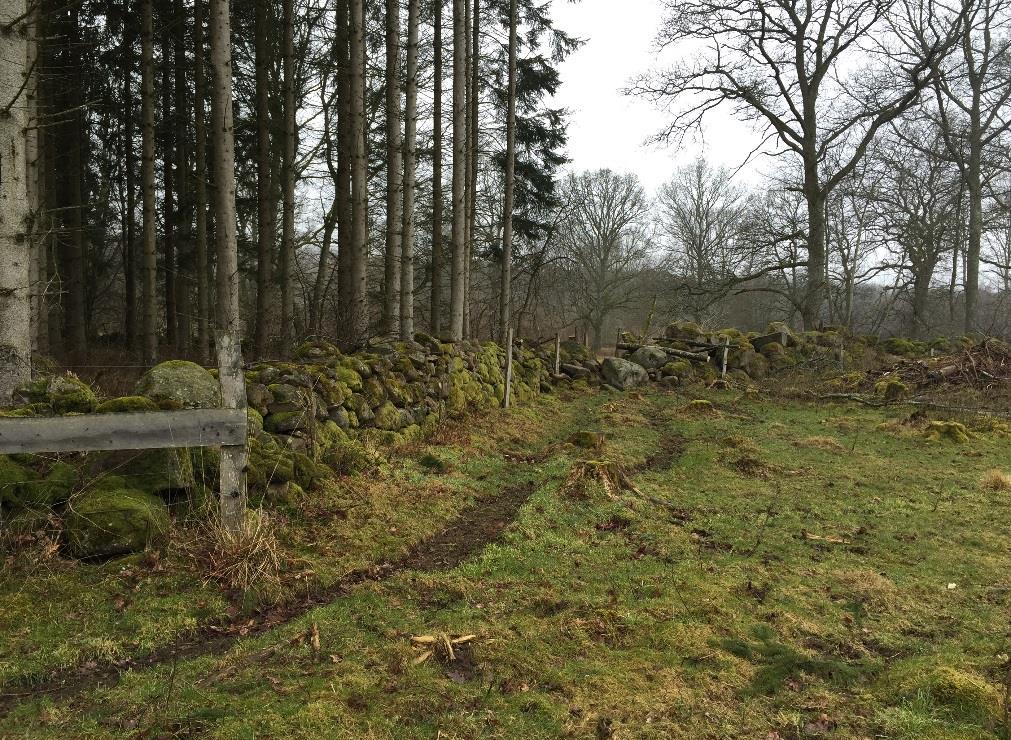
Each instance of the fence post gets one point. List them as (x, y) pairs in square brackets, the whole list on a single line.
[(726, 349), (509, 367), (233, 457), (558, 352)]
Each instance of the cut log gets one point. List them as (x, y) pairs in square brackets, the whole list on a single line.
[(693, 356)]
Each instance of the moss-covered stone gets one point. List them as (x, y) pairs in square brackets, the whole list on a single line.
[(65, 394), (180, 382), (22, 487), (891, 389), (126, 404), (388, 417), (113, 519), (952, 431)]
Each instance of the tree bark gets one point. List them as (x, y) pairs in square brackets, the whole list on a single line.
[(410, 172), (814, 293), (265, 212), (15, 308), (202, 267), (169, 166), (150, 297), (974, 190), (505, 294), (288, 179), (342, 184), (75, 306), (394, 170), (223, 143), (435, 319), (472, 160), (456, 288), (130, 323), (184, 245), (358, 321)]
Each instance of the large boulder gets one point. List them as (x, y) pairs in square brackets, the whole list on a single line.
[(180, 384), (114, 520), (623, 374), (650, 358)]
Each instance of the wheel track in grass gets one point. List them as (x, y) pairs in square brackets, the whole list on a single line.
[(474, 528)]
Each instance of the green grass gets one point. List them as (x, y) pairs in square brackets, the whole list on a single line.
[(811, 575)]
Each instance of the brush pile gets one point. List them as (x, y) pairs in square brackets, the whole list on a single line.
[(983, 366)]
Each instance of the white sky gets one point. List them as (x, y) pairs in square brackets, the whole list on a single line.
[(609, 129)]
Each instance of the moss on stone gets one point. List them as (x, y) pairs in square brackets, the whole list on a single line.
[(891, 389), (952, 431), (388, 417), (114, 519), (126, 404), (182, 383)]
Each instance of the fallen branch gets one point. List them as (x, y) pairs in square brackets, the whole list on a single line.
[(683, 354)]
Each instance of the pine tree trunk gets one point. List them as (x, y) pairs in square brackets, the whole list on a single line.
[(184, 236), (435, 319), (264, 208), (288, 180), (36, 246), (150, 297), (342, 185), (223, 143), (394, 170), (130, 324), (15, 308), (456, 287), (75, 306), (169, 166), (410, 172), (505, 304), (329, 221), (472, 161), (358, 320), (202, 266)]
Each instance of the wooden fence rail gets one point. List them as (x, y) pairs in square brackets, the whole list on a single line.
[(225, 428)]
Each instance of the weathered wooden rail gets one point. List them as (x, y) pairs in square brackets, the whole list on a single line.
[(226, 428)]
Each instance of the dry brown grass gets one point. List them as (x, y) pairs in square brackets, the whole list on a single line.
[(829, 444), (995, 480), (249, 559)]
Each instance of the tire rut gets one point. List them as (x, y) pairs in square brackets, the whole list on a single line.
[(472, 530)]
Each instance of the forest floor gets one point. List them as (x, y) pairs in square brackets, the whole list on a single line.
[(756, 567)]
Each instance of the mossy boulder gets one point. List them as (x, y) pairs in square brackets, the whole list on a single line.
[(622, 374), (180, 384), (952, 431), (21, 487), (684, 330), (650, 358), (899, 346), (126, 405), (389, 418), (65, 394), (114, 519), (891, 389)]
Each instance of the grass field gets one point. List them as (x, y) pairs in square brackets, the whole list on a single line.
[(754, 567)]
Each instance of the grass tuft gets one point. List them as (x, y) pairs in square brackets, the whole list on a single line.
[(995, 480)]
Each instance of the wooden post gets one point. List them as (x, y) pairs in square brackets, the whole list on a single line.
[(726, 350), (233, 457), (509, 367), (617, 341), (558, 353)]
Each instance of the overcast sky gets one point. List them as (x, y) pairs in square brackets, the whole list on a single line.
[(609, 129)]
